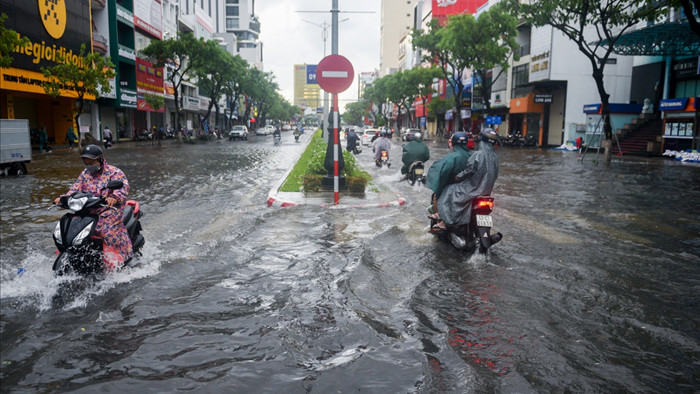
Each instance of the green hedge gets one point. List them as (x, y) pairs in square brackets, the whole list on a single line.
[(307, 173)]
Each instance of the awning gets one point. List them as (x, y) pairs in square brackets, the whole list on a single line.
[(666, 39)]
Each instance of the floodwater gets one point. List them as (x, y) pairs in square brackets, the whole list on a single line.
[(594, 288)]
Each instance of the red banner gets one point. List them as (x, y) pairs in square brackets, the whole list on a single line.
[(149, 81), (444, 8)]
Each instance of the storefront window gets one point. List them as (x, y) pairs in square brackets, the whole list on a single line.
[(123, 125)]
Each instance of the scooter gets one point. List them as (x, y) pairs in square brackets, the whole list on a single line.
[(475, 234), (383, 160), (278, 139), (416, 173), (81, 250), (296, 136)]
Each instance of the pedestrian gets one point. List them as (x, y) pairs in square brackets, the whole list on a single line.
[(43, 139), (71, 138), (107, 134)]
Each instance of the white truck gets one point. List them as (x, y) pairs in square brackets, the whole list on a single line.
[(15, 146)]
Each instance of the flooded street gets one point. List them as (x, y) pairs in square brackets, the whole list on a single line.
[(594, 288)]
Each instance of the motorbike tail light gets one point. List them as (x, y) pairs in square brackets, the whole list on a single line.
[(483, 205), (384, 154)]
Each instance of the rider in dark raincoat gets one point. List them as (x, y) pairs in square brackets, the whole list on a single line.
[(443, 171), (477, 179), (414, 151), (352, 141)]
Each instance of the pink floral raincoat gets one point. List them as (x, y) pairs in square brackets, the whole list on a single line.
[(110, 224)]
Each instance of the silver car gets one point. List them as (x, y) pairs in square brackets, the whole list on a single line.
[(238, 132)]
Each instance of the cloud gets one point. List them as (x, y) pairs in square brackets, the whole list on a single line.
[(290, 37)]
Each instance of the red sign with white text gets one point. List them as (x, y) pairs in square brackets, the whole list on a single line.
[(443, 8)]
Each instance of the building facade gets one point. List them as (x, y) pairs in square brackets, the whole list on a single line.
[(307, 93)]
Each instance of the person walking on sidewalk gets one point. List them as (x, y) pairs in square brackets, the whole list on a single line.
[(71, 138)]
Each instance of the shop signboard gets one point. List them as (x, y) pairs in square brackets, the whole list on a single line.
[(148, 16), (51, 33), (674, 104), (545, 98), (311, 74), (443, 8), (493, 120), (149, 81)]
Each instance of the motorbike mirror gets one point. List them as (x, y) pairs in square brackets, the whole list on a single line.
[(114, 185)]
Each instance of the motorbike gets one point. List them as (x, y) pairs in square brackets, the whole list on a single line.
[(278, 139), (416, 173), (477, 233), (296, 136), (81, 250), (383, 160)]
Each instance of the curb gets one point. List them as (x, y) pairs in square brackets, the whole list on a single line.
[(274, 201)]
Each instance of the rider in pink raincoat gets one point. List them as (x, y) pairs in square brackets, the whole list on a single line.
[(94, 178)]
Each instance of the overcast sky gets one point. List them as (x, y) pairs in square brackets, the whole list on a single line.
[(288, 40)]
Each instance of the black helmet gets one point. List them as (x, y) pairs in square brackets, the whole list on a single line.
[(489, 135), (460, 138), (91, 152)]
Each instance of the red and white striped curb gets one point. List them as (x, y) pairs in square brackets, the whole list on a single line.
[(273, 201)]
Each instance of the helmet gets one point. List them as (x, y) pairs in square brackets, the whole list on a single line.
[(460, 138), (489, 135), (410, 137), (91, 152), (417, 136), (383, 133)]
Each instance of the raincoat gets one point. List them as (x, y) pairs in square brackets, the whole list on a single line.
[(412, 152), (352, 141), (381, 144), (110, 224), (443, 171), (478, 178)]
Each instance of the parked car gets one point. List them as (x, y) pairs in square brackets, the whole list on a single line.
[(286, 127), (405, 132), (366, 138), (238, 132)]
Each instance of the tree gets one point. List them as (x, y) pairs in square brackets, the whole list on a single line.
[(87, 74), (469, 42), (355, 112), (422, 79), (688, 6), (9, 41), (377, 100), (175, 54), (233, 89), (215, 69), (590, 23)]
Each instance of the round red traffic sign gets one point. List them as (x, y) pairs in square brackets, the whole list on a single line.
[(334, 73)]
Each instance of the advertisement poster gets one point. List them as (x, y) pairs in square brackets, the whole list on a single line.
[(149, 81), (148, 15)]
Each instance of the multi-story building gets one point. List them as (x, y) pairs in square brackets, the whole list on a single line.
[(61, 31), (307, 93), (238, 17), (396, 21)]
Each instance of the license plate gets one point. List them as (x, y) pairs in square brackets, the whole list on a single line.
[(419, 171), (484, 221)]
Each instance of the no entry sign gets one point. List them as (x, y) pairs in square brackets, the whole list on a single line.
[(334, 74)]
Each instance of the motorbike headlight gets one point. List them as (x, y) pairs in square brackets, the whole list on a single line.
[(76, 204), (82, 235), (57, 234)]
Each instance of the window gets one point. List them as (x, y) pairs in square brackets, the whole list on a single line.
[(232, 24), (520, 75)]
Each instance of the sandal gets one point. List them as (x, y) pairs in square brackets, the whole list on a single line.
[(437, 228), (434, 216)]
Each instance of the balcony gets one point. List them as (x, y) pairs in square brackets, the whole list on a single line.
[(99, 43), (98, 4), (254, 25)]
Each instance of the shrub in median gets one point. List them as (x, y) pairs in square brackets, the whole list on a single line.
[(307, 174)]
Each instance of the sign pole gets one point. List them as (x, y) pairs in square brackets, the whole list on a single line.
[(336, 183)]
